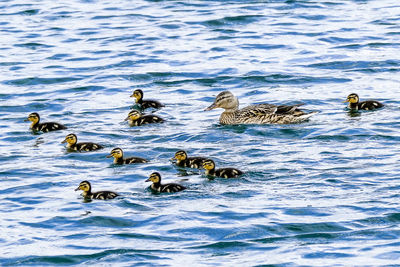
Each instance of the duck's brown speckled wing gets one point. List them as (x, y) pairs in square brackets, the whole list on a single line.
[(170, 188)]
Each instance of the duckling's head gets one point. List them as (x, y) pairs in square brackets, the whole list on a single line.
[(84, 186), (71, 139), (116, 153), (352, 98), (209, 164), (180, 155), (133, 115), (225, 100), (137, 94), (155, 177), (33, 117)]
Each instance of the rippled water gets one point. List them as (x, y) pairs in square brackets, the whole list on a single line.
[(321, 193)]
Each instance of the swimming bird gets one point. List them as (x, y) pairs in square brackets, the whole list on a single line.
[(87, 192), (209, 166), (135, 118), (138, 95), (182, 160), (72, 144), (155, 177), (118, 155), (256, 114), (44, 127), (354, 103)]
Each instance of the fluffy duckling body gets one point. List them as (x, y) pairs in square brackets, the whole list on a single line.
[(155, 177), (87, 192), (355, 104), (143, 104), (135, 118), (119, 159), (182, 160), (44, 127), (72, 144), (209, 166), (256, 114)]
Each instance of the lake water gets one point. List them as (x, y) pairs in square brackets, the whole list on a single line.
[(322, 193)]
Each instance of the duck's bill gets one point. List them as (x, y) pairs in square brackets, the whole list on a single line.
[(63, 141), (148, 180), (127, 118), (346, 101), (132, 95), (26, 120), (211, 107), (76, 189), (109, 156)]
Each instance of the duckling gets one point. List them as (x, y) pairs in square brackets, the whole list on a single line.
[(87, 192), (44, 127), (256, 114), (135, 118), (72, 144), (182, 160), (354, 103), (118, 155), (209, 165), (155, 177), (138, 95)]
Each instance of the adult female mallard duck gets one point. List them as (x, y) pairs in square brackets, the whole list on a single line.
[(44, 127), (155, 177), (87, 192), (256, 114), (354, 103), (143, 104), (72, 144), (135, 118), (118, 155), (209, 166), (182, 160)]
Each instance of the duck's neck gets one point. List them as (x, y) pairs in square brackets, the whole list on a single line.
[(228, 116), (353, 106), (210, 172), (34, 124), (119, 160)]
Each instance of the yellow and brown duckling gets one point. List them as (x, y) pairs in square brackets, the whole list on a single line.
[(209, 166), (182, 160), (118, 155), (72, 144), (44, 127), (155, 177), (143, 104), (256, 114), (87, 192), (355, 104), (135, 118)]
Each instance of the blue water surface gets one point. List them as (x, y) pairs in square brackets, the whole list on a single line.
[(321, 193)]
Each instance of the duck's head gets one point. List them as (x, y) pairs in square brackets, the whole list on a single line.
[(180, 155), (84, 186), (116, 153), (137, 94), (209, 164), (155, 177), (33, 117), (352, 98), (71, 139), (225, 100), (133, 115)]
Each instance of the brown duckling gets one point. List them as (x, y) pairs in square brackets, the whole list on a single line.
[(135, 118), (118, 155), (354, 103), (182, 160), (209, 166), (143, 104), (87, 192), (44, 127), (72, 144), (155, 177)]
